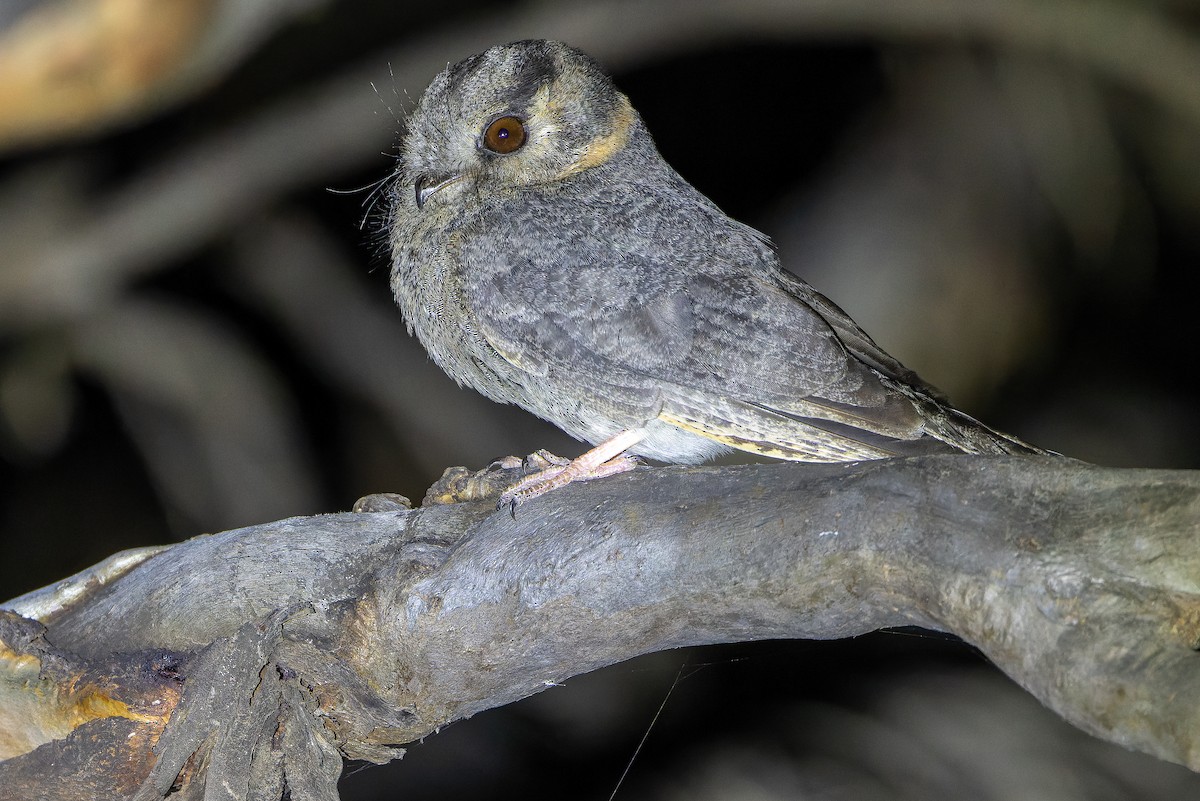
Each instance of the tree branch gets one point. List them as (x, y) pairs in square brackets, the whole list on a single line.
[(302, 639)]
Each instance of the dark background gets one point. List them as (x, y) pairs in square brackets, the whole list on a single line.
[(196, 330)]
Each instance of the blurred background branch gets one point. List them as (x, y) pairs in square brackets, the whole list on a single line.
[(196, 334)]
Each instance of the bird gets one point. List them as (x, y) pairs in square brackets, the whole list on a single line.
[(546, 255)]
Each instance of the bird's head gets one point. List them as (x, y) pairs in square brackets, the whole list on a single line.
[(517, 115)]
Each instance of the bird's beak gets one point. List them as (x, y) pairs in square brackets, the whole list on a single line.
[(426, 185)]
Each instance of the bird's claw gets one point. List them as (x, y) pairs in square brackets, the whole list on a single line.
[(559, 473)]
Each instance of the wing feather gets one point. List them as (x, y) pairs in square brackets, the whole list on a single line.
[(690, 314)]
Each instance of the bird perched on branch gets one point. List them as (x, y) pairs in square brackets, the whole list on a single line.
[(546, 255)]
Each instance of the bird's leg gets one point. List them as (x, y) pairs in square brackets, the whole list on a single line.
[(606, 459)]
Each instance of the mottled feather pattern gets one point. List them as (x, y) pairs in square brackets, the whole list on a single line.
[(583, 279)]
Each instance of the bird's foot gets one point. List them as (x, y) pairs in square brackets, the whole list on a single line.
[(606, 459), (518, 480), (554, 476), (461, 485)]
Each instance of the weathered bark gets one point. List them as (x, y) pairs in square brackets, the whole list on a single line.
[(276, 648)]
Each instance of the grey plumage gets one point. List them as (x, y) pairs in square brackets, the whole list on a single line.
[(582, 278)]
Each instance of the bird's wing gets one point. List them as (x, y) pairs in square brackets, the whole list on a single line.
[(693, 308), (789, 384), (856, 341)]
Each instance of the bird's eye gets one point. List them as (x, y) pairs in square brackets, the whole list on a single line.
[(504, 135)]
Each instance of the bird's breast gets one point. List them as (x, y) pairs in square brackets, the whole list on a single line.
[(428, 282)]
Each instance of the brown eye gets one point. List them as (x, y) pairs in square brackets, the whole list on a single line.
[(504, 135)]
